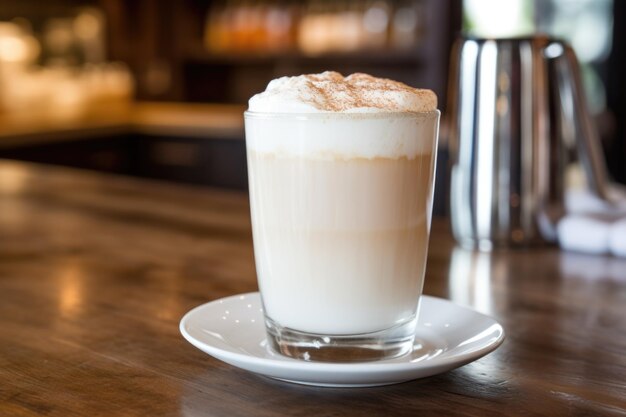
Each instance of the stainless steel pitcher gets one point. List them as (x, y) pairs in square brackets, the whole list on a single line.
[(517, 115)]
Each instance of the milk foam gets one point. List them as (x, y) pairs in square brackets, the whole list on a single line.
[(339, 137), (358, 116), (332, 92)]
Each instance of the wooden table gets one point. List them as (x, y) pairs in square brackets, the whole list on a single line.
[(96, 272)]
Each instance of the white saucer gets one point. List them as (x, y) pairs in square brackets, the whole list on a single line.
[(448, 336)]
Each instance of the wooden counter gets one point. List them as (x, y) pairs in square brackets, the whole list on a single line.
[(96, 272)]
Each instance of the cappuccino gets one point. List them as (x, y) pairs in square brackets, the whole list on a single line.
[(341, 181)]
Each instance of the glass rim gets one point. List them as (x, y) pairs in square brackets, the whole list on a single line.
[(342, 115)]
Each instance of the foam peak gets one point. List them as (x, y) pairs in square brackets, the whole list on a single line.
[(332, 92)]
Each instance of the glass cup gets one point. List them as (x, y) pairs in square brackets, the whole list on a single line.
[(341, 206)]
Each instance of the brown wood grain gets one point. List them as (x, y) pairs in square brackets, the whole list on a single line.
[(96, 272)]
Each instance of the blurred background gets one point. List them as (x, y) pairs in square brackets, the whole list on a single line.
[(156, 88)]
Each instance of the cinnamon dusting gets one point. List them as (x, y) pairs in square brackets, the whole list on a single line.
[(333, 92)]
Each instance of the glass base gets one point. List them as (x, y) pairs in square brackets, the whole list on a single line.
[(385, 344)]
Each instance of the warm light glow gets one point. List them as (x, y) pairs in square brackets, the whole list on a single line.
[(12, 178), (71, 288), (167, 304), (13, 49), (87, 25), (16, 46)]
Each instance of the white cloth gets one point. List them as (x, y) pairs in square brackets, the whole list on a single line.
[(617, 239), (593, 225), (582, 233), (585, 202)]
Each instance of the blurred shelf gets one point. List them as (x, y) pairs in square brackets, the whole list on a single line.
[(377, 57), (196, 120), (201, 121), (183, 142)]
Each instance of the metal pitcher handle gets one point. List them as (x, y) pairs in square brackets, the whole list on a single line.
[(587, 138)]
